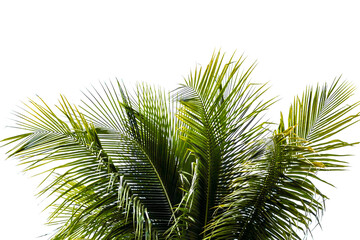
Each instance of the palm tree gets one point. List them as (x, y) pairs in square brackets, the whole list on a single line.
[(196, 163)]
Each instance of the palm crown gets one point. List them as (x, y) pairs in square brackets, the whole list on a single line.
[(196, 163)]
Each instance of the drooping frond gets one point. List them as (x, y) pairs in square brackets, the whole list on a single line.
[(73, 149)]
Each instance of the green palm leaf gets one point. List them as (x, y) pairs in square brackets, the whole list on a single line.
[(147, 149), (220, 111), (74, 149)]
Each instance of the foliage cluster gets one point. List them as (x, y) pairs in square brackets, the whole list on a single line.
[(196, 163)]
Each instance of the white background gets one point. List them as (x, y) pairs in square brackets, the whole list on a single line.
[(53, 47)]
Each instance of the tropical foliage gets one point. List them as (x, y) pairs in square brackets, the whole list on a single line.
[(196, 163)]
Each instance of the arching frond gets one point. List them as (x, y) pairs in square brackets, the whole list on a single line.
[(72, 148), (147, 148)]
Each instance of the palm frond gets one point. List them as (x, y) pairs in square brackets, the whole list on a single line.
[(146, 149), (220, 111), (276, 192), (76, 148), (319, 115), (269, 200)]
